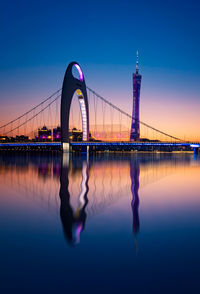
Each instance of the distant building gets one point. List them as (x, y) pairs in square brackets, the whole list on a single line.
[(4, 139), (22, 138), (44, 135), (77, 135), (57, 134), (135, 125)]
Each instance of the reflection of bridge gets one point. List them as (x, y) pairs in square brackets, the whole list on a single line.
[(101, 120), (87, 187)]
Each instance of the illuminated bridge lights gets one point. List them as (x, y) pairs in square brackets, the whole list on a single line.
[(83, 112), (100, 144), (79, 72), (195, 145)]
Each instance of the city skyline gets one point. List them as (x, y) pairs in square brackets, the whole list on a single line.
[(34, 60), (100, 146)]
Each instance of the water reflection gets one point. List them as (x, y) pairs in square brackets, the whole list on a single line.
[(60, 186), (135, 174), (104, 202), (73, 222)]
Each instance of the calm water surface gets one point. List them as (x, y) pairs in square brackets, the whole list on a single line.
[(103, 224)]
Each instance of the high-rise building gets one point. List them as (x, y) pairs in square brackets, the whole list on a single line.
[(135, 125)]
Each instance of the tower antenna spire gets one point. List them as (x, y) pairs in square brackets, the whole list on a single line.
[(137, 67)]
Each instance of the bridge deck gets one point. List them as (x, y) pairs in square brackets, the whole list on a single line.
[(103, 144)]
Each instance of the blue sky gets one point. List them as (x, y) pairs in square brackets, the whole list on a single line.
[(40, 38), (38, 33)]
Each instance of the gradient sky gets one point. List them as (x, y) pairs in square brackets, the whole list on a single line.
[(40, 38)]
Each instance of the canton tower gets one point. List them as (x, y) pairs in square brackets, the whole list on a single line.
[(135, 125)]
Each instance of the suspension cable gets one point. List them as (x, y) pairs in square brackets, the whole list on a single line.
[(95, 94), (26, 113), (128, 115), (33, 116)]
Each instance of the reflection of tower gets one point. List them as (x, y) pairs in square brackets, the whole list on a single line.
[(134, 174), (135, 126), (73, 223)]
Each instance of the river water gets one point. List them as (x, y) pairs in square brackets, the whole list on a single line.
[(107, 223)]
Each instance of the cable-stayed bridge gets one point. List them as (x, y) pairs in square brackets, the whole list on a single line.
[(61, 121)]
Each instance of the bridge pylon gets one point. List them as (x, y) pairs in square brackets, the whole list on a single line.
[(71, 85)]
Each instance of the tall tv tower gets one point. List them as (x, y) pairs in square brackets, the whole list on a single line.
[(135, 125)]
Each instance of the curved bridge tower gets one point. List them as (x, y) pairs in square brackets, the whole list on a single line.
[(70, 86), (135, 125)]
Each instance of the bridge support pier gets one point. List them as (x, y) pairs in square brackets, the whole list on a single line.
[(196, 150), (65, 159), (85, 149), (65, 147)]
